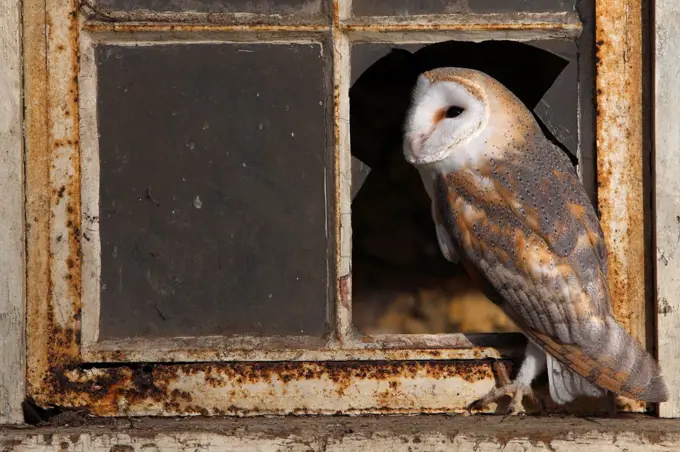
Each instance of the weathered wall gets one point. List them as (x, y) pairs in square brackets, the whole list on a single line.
[(667, 201), (11, 216), (420, 433)]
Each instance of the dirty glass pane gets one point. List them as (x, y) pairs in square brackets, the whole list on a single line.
[(213, 179), (301, 8), (411, 288), (405, 7)]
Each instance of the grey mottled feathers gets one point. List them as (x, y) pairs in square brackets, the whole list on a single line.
[(526, 225)]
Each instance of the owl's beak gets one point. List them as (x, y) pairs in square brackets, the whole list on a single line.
[(416, 144), (414, 151), (412, 147)]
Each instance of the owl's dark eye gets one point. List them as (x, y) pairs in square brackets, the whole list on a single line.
[(454, 111)]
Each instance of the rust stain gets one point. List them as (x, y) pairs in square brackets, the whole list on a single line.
[(63, 343), (100, 391), (337, 166), (53, 152), (344, 290), (336, 13), (309, 12), (181, 27), (462, 26), (55, 373), (73, 188), (377, 348), (345, 27), (341, 174), (620, 166), (620, 156), (38, 190)]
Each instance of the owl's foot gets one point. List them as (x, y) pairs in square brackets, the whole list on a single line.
[(516, 390)]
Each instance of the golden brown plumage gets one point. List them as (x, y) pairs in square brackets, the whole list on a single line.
[(516, 213)]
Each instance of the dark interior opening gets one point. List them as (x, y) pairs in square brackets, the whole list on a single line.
[(401, 282)]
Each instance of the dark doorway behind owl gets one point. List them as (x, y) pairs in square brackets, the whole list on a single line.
[(401, 282)]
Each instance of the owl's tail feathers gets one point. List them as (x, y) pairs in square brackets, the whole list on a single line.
[(566, 385), (608, 356), (625, 367)]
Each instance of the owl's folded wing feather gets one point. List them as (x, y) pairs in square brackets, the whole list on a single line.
[(528, 227)]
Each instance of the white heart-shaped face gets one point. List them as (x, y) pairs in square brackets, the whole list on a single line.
[(444, 116), (463, 118)]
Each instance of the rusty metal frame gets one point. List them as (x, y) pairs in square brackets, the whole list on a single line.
[(348, 373), (621, 160)]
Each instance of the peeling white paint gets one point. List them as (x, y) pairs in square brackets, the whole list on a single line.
[(12, 304), (667, 202), (335, 438)]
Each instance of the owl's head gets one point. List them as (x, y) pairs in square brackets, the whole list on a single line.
[(452, 109)]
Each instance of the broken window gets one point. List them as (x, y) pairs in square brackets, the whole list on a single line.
[(401, 282)]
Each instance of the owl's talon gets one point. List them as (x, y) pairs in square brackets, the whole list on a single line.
[(513, 389)]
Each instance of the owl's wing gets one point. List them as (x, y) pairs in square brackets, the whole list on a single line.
[(528, 228), (446, 245)]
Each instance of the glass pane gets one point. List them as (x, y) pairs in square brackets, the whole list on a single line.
[(304, 8), (405, 7), (558, 109), (401, 282), (213, 178)]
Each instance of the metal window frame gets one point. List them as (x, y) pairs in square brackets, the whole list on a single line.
[(349, 374)]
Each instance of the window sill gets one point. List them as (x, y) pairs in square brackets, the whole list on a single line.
[(374, 433)]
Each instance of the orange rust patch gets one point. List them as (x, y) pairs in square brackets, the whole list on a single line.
[(344, 290), (123, 27), (621, 158), (141, 386)]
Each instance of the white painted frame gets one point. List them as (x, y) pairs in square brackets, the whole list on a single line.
[(12, 270), (667, 195)]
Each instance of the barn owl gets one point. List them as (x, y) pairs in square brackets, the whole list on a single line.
[(508, 205)]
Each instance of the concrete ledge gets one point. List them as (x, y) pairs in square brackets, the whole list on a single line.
[(365, 434)]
